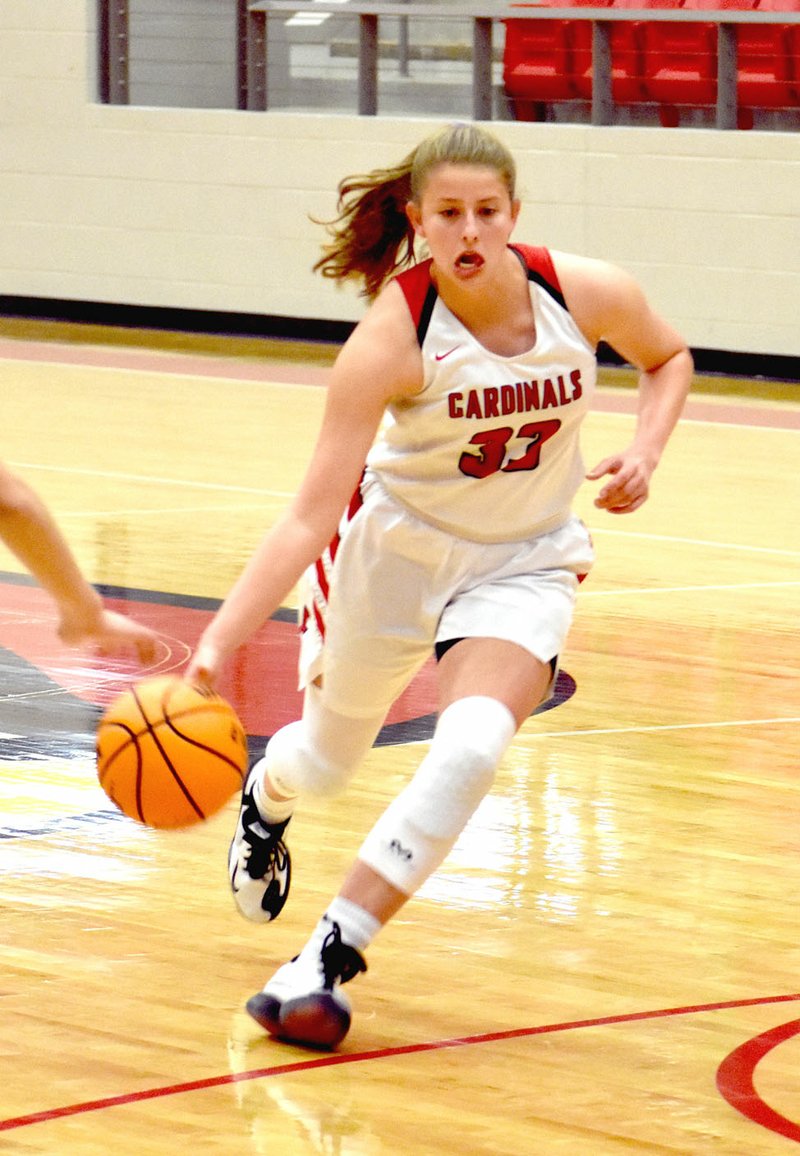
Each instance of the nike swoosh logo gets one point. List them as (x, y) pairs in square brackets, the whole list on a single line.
[(442, 356)]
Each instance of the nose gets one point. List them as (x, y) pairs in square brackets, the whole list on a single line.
[(470, 229)]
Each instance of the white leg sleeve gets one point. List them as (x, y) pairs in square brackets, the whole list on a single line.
[(319, 753), (417, 830)]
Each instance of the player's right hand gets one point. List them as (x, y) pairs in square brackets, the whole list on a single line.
[(204, 666)]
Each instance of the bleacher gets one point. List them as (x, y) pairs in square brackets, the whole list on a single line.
[(667, 67)]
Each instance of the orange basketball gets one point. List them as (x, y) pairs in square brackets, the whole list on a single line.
[(168, 754)]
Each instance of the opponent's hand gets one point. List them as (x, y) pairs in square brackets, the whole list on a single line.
[(629, 487), (109, 634)]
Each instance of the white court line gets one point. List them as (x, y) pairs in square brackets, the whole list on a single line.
[(540, 735), (151, 480), (640, 730), (740, 425), (116, 513), (705, 542), (166, 371), (682, 589), (287, 494)]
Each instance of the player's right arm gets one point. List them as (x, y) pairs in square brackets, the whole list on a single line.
[(379, 361)]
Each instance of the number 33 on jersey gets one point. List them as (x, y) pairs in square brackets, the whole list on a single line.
[(489, 449)]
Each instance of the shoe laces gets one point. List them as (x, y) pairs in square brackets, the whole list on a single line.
[(340, 962), (264, 839)]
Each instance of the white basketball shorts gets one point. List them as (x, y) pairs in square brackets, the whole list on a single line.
[(391, 586)]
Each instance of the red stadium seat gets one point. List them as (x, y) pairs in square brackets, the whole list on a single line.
[(579, 41), (681, 64), (543, 59), (627, 56), (669, 64), (536, 66), (769, 60)]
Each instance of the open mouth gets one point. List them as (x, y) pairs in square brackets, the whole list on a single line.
[(469, 260)]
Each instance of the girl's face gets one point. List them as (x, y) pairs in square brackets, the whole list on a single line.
[(466, 216)]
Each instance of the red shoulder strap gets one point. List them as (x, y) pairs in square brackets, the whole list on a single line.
[(420, 294), (538, 260), (539, 263), (415, 283)]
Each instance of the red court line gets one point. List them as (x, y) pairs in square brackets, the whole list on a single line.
[(336, 1059), (146, 360), (735, 1080)]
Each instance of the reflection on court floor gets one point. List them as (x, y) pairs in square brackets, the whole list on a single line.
[(606, 963)]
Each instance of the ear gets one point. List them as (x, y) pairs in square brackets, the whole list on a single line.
[(415, 218), (516, 205)]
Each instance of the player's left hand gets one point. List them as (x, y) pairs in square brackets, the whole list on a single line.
[(629, 486)]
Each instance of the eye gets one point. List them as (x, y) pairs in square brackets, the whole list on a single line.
[(488, 211), (449, 213)]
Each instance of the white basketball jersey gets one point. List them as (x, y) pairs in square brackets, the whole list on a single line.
[(489, 449)]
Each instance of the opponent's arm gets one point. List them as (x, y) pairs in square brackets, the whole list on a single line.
[(31, 533)]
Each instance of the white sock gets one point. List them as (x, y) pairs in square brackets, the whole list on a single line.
[(357, 926), (273, 810)]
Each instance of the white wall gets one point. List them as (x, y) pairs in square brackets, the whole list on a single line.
[(209, 209)]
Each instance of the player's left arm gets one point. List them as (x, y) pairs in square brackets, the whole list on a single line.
[(611, 306)]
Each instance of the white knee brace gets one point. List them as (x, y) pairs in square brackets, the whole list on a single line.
[(319, 753), (418, 829)]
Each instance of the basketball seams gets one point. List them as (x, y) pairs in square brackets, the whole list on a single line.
[(171, 775), (139, 782), (202, 746), (109, 763), (148, 728), (151, 730)]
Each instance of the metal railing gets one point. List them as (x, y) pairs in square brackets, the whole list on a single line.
[(253, 39)]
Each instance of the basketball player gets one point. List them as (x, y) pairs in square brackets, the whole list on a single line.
[(29, 531), (463, 388)]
